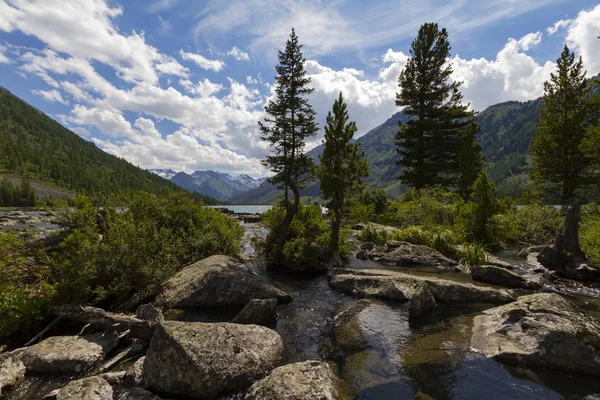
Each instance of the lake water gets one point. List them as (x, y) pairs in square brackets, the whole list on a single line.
[(250, 209)]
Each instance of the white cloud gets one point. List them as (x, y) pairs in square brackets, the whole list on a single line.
[(530, 40), (50, 95), (203, 62), (251, 81), (172, 67), (558, 25), (238, 54), (3, 58), (161, 5), (582, 35)]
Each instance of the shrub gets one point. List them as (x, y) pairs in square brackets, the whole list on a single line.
[(472, 254), (309, 228), (433, 207), (443, 241), (534, 223), (475, 217), (359, 212), (375, 197), (375, 234), (589, 232)]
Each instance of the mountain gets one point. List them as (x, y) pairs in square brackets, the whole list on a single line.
[(34, 146), (164, 173), (219, 185)]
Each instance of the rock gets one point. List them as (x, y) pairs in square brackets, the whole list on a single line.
[(346, 326), (113, 378), (148, 312), (542, 330), (367, 246), (420, 301), (406, 254), (204, 360), (257, 311), (496, 262), (214, 282), (306, 380), (138, 394), (565, 256), (359, 227), (135, 374), (502, 277), (524, 253), (12, 370), (62, 354), (392, 285), (93, 388), (362, 255)]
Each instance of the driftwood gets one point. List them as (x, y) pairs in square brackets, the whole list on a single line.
[(566, 257), (37, 337), (133, 350), (113, 322)]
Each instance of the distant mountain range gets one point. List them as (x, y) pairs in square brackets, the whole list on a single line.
[(222, 186)]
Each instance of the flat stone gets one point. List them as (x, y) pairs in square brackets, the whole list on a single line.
[(257, 311), (12, 370), (502, 277), (93, 388), (138, 394)]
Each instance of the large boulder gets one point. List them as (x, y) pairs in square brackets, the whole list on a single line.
[(405, 254), (392, 285), (306, 380), (503, 277), (542, 330), (216, 281), (257, 311), (93, 388), (64, 354), (135, 374), (138, 394), (202, 360), (12, 370)]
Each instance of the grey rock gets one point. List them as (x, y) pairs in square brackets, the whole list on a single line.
[(113, 378), (135, 374), (148, 312), (306, 380), (421, 300), (138, 394), (497, 262), (216, 281), (359, 227), (203, 360), (346, 326), (406, 254), (60, 354), (12, 370), (257, 311), (367, 246), (93, 388), (502, 277), (542, 329), (393, 285)]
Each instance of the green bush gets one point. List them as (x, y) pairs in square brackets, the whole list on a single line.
[(534, 223), (472, 254), (432, 208), (309, 228), (375, 197), (443, 241), (475, 217), (359, 212), (589, 232), (375, 234)]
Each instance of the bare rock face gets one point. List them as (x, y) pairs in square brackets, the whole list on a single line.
[(94, 388), (405, 254), (257, 311), (502, 277), (542, 329), (63, 354), (148, 312), (138, 394), (12, 370), (214, 282), (306, 380), (392, 285), (566, 257), (135, 374), (421, 300), (202, 360)]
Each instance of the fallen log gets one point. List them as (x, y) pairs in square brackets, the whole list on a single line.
[(37, 337), (110, 321)]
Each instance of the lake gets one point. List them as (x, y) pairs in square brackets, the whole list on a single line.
[(249, 209)]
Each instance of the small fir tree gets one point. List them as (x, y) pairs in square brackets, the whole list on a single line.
[(342, 166)]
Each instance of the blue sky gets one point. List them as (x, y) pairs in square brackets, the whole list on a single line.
[(182, 84)]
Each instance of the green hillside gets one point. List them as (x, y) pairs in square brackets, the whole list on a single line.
[(34, 146)]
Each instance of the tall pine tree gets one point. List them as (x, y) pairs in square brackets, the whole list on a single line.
[(342, 166), (470, 161), (290, 122), (567, 113), (430, 142)]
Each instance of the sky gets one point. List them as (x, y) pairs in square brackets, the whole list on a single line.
[(182, 84)]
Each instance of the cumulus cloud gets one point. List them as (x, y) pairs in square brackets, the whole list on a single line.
[(558, 25), (50, 95), (203, 62), (582, 35), (238, 54), (530, 40), (3, 58)]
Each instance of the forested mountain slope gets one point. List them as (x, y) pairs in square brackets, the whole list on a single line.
[(35, 146)]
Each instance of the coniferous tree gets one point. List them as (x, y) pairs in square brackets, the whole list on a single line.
[(429, 143), (560, 130), (470, 161), (342, 166), (290, 122)]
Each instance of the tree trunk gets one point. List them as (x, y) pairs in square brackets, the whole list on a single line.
[(290, 213), (335, 230)]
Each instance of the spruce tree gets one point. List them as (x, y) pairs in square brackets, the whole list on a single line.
[(429, 143), (342, 166), (290, 121), (470, 161), (558, 156)]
